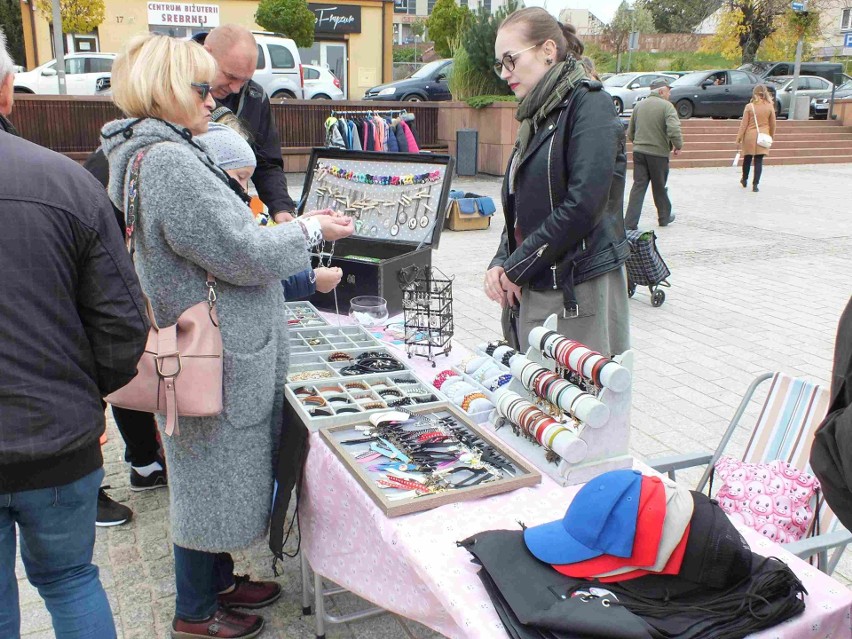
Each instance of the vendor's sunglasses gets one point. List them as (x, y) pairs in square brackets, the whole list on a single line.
[(202, 88), (509, 59)]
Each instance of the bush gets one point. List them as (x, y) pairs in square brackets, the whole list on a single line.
[(465, 80), (482, 101), (403, 54), (478, 43)]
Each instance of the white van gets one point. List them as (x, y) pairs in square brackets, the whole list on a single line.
[(279, 66)]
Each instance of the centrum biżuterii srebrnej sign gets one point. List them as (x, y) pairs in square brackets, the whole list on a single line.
[(336, 18)]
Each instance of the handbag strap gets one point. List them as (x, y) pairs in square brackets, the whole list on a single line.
[(754, 113), (132, 208)]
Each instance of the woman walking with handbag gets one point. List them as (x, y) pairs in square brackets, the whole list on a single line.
[(756, 132), (196, 242)]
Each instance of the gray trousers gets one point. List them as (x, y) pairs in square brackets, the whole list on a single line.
[(653, 169), (603, 323)]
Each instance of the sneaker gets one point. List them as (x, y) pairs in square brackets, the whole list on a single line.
[(110, 512), (669, 221), (157, 479), (224, 624), (250, 594)]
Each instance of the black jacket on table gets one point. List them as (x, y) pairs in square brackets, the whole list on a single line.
[(73, 318), (831, 452), (252, 106), (568, 198)]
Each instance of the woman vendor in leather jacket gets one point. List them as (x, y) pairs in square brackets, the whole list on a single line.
[(564, 247)]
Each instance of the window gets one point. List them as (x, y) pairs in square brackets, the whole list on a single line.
[(100, 65), (261, 58), (738, 77), (281, 57), (75, 66), (644, 81), (311, 74), (846, 20)]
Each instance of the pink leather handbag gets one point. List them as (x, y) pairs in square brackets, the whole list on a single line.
[(180, 372)]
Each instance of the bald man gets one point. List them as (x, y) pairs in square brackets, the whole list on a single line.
[(235, 51)]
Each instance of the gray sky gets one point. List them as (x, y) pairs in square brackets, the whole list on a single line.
[(603, 9)]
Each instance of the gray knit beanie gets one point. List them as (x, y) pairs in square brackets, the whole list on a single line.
[(227, 147)]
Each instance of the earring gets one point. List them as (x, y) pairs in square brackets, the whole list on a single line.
[(549, 61)]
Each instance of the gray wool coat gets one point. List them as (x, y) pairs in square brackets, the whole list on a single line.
[(190, 221)]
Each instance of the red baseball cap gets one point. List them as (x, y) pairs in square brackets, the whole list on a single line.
[(672, 566), (646, 543)]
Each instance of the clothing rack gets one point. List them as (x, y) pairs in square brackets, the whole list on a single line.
[(390, 112)]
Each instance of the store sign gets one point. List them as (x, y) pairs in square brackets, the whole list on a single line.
[(336, 18), (185, 15)]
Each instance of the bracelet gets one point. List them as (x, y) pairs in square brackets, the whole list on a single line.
[(597, 368), (306, 375), (314, 341), (391, 391), (363, 396), (469, 398), (321, 412), (441, 377), (329, 389), (423, 399), (347, 409), (358, 385), (507, 356), (314, 400), (339, 356), (374, 405), (503, 379), (403, 401)]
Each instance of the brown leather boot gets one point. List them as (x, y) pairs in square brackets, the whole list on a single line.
[(250, 594), (224, 624)]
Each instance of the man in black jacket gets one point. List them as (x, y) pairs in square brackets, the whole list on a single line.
[(831, 452), (235, 51), (72, 329)]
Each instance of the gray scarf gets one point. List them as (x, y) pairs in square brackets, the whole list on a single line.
[(545, 96)]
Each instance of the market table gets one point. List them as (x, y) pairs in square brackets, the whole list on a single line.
[(411, 565)]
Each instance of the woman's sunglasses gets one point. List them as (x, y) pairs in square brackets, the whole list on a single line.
[(508, 60), (202, 88)]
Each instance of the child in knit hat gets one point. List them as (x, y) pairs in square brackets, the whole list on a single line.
[(234, 155)]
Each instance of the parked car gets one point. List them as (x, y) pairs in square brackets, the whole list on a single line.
[(827, 70), (279, 66), (85, 74), (819, 106), (321, 84), (810, 85), (625, 88), (429, 82), (677, 74), (720, 93)]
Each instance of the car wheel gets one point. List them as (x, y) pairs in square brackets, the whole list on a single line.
[(283, 95), (320, 96), (413, 98), (619, 106), (685, 109)]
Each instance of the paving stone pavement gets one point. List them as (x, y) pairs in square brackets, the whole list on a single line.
[(758, 284)]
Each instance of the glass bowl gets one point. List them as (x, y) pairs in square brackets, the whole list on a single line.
[(368, 310)]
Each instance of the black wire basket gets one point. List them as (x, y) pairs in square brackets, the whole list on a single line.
[(427, 306)]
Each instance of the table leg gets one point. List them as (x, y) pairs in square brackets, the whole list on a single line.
[(319, 606), (306, 584)]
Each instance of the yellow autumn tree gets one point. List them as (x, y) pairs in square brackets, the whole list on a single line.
[(726, 40), (78, 16), (781, 45)]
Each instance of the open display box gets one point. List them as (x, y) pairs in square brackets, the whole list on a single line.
[(523, 474), (398, 201), (330, 338), (303, 315)]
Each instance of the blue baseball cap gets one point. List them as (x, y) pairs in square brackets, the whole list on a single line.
[(600, 520)]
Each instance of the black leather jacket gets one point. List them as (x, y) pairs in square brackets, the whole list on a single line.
[(568, 200)]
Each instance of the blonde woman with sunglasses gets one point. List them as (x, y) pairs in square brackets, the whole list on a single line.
[(192, 221)]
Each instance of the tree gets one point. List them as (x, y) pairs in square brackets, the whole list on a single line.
[(78, 16), (781, 45), (746, 25), (478, 43), (10, 24), (679, 16), (418, 30), (445, 24), (291, 18), (625, 20)]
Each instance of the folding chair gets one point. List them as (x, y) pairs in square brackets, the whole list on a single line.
[(789, 417)]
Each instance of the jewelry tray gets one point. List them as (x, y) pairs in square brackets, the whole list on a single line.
[(315, 423), (318, 360), (303, 315), (526, 475), (332, 338)]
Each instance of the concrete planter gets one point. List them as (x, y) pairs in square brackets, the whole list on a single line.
[(497, 128)]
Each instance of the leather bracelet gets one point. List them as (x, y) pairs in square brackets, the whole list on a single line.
[(581, 362), (329, 389), (347, 409), (320, 412), (314, 400), (597, 368)]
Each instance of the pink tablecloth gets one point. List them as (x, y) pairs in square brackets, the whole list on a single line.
[(411, 565)]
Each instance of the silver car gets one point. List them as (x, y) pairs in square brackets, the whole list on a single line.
[(626, 88), (810, 85)]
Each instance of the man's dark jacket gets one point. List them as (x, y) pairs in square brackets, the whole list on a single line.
[(831, 452), (570, 188), (73, 320), (252, 106)]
